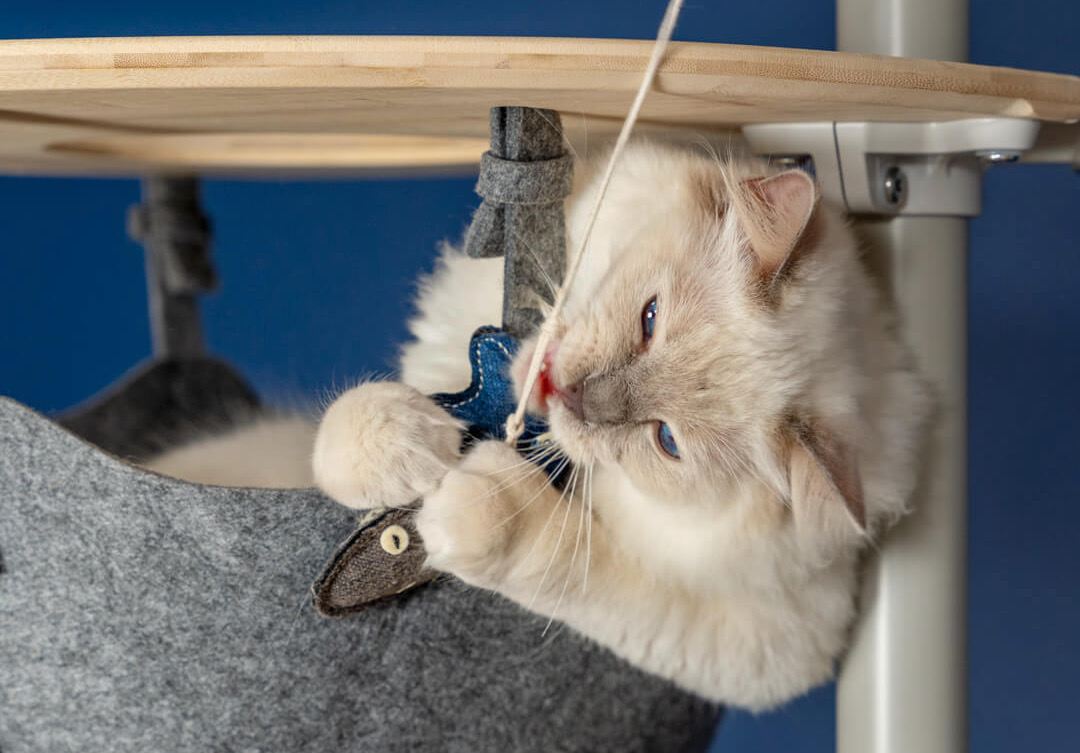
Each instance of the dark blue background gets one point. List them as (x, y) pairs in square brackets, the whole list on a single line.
[(317, 276)]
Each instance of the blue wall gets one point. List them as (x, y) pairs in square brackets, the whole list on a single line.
[(316, 278)]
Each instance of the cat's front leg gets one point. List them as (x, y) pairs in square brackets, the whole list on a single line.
[(383, 444), (497, 522)]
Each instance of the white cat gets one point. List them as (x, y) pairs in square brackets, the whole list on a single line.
[(740, 413), (730, 388)]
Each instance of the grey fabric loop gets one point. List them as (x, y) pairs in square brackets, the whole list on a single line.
[(523, 179), (511, 182), (485, 236)]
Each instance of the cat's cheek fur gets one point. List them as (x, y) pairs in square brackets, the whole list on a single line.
[(460, 295)]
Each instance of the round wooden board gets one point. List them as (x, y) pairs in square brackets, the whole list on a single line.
[(318, 105)]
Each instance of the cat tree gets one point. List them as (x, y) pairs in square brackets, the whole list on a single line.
[(900, 141)]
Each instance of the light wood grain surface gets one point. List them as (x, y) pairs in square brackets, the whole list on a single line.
[(343, 104)]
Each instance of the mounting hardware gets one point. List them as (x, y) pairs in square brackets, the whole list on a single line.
[(895, 185), (794, 162), (810, 143), (997, 157), (899, 168)]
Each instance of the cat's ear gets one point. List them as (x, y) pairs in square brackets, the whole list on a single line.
[(778, 215), (826, 488)]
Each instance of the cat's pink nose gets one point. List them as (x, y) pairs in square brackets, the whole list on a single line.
[(573, 397)]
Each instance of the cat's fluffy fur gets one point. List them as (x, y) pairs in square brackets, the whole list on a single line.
[(269, 452), (731, 570)]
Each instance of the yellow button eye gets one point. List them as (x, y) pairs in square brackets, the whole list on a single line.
[(394, 540)]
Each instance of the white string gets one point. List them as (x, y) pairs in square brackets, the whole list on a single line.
[(515, 424)]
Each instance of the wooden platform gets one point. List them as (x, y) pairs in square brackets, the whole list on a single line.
[(238, 105)]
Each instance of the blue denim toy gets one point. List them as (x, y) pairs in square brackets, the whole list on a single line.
[(489, 399)]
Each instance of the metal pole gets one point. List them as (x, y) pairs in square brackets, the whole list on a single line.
[(903, 686), (175, 232)]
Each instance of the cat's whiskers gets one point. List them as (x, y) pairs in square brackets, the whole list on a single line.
[(526, 470), (530, 458), (562, 133), (707, 147), (543, 487), (731, 462), (588, 523), (534, 468), (544, 448), (734, 461), (554, 508), (523, 473), (573, 556), (552, 287), (558, 541)]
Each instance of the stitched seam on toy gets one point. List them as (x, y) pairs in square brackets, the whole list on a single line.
[(502, 348), (480, 380), (480, 367)]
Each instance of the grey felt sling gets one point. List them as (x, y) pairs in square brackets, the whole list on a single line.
[(140, 613)]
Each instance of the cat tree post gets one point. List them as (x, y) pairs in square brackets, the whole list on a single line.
[(904, 684), (171, 224)]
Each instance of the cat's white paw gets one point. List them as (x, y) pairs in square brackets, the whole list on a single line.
[(467, 522), (383, 444)]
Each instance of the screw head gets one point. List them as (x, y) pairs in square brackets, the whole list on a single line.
[(998, 157), (895, 186), (794, 162)]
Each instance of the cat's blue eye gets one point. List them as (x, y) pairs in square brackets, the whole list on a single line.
[(667, 440), (648, 320)]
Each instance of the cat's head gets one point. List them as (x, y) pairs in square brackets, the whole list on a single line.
[(705, 345)]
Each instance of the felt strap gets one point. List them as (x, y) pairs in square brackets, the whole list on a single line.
[(505, 181), (523, 180)]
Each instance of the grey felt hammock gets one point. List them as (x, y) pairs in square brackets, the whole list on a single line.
[(141, 613)]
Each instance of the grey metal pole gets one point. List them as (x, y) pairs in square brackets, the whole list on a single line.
[(903, 686), (175, 232), (931, 29)]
